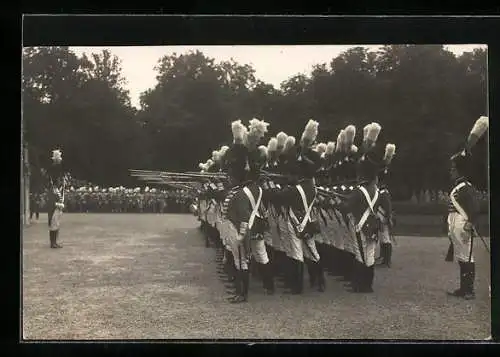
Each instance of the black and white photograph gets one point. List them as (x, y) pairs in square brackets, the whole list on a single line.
[(326, 192)]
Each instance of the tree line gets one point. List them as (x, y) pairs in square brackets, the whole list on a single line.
[(425, 97)]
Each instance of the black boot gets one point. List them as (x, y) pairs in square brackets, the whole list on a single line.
[(300, 277), (356, 277), (267, 277), (238, 286), (388, 260), (289, 270), (349, 268), (449, 255), (340, 259), (469, 277), (320, 276), (312, 272), (381, 258), (332, 261), (294, 274), (207, 237), (254, 269), (230, 269), (460, 292), (55, 235), (370, 275), (363, 279), (283, 267), (242, 295), (384, 254), (52, 239)]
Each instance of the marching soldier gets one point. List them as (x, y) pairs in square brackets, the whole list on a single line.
[(464, 212), (345, 169), (34, 205), (55, 196), (462, 218), (246, 228), (361, 209), (385, 211), (283, 263), (302, 164)]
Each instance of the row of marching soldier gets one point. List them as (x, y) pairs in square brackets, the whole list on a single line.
[(294, 206), (291, 206)]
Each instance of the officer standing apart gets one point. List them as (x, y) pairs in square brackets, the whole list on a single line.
[(464, 212), (55, 197)]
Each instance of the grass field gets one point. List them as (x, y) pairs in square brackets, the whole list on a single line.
[(126, 276)]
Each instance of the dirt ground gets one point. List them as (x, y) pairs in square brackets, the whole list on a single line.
[(126, 276)]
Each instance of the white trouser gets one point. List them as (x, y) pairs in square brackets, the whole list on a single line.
[(349, 237), (366, 255), (384, 234), (293, 247), (237, 247), (284, 235), (275, 234), (342, 232), (259, 252), (309, 249), (462, 240), (223, 231), (55, 221), (321, 236)]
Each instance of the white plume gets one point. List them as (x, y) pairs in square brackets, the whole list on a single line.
[(289, 143), (272, 145), (365, 131), (281, 139), (330, 148), (239, 132), (263, 151), (480, 127), (321, 148), (223, 150), (373, 132), (257, 130), (56, 154), (340, 141), (215, 155), (350, 133), (390, 150), (310, 133)]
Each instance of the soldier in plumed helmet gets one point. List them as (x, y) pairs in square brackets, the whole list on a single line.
[(302, 163), (242, 204), (464, 212), (361, 208), (283, 253), (55, 195), (345, 168), (385, 210)]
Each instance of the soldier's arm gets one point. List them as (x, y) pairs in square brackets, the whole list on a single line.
[(240, 208), (467, 199)]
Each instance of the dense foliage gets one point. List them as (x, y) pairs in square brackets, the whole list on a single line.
[(425, 98)]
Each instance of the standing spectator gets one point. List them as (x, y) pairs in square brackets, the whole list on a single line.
[(34, 205)]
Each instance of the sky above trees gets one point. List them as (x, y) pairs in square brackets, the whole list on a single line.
[(272, 64)]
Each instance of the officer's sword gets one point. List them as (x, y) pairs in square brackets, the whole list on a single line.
[(482, 239)]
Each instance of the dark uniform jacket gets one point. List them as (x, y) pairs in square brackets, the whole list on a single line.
[(237, 207), (466, 197)]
